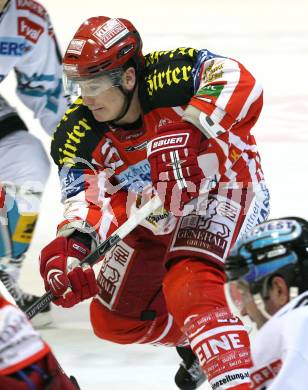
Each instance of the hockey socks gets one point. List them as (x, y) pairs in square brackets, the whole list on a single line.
[(221, 343), (195, 297)]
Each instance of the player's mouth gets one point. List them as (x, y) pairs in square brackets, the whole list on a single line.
[(99, 113), (96, 109)]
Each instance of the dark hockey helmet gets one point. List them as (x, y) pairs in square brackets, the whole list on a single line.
[(101, 44), (276, 247)]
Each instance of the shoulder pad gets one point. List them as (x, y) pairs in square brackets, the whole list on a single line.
[(76, 136), (167, 77)]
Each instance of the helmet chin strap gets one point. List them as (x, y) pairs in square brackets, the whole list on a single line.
[(128, 97)]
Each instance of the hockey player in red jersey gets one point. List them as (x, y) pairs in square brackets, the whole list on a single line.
[(177, 121)]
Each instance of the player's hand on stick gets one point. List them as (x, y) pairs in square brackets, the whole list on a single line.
[(69, 282), (175, 172)]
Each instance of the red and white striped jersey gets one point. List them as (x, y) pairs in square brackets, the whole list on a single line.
[(101, 164)]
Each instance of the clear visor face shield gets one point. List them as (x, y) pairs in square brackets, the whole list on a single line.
[(93, 86), (240, 294)]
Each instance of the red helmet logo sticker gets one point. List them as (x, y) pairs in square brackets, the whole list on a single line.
[(76, 46), (111, 32), (70, 68)]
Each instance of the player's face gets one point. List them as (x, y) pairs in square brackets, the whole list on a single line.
[(271, 304), (277, 295), (106, 106), (109, 103), (241, 297)]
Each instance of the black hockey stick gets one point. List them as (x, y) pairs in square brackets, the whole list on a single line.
[(132, 222)]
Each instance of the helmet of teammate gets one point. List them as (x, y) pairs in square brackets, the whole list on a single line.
[(102, 47), (276, 247)]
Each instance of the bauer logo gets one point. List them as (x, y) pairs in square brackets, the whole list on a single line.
[(28, 29), (76, 46), (168, 142), (111, 32)]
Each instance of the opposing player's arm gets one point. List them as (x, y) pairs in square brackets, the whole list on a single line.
[(295, 349), (292, 372)]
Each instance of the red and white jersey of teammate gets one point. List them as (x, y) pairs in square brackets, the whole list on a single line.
[(28, 46), (20, 344), (280, 349), (221, 96)]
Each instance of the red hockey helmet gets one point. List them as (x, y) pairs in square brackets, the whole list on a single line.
[(100, 46)]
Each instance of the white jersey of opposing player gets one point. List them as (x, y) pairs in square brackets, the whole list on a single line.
[(280, 349), (28, 45)]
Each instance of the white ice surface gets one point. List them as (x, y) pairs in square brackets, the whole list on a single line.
[(270, 38)]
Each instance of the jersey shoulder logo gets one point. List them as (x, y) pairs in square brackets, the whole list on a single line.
[(29, 29)]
